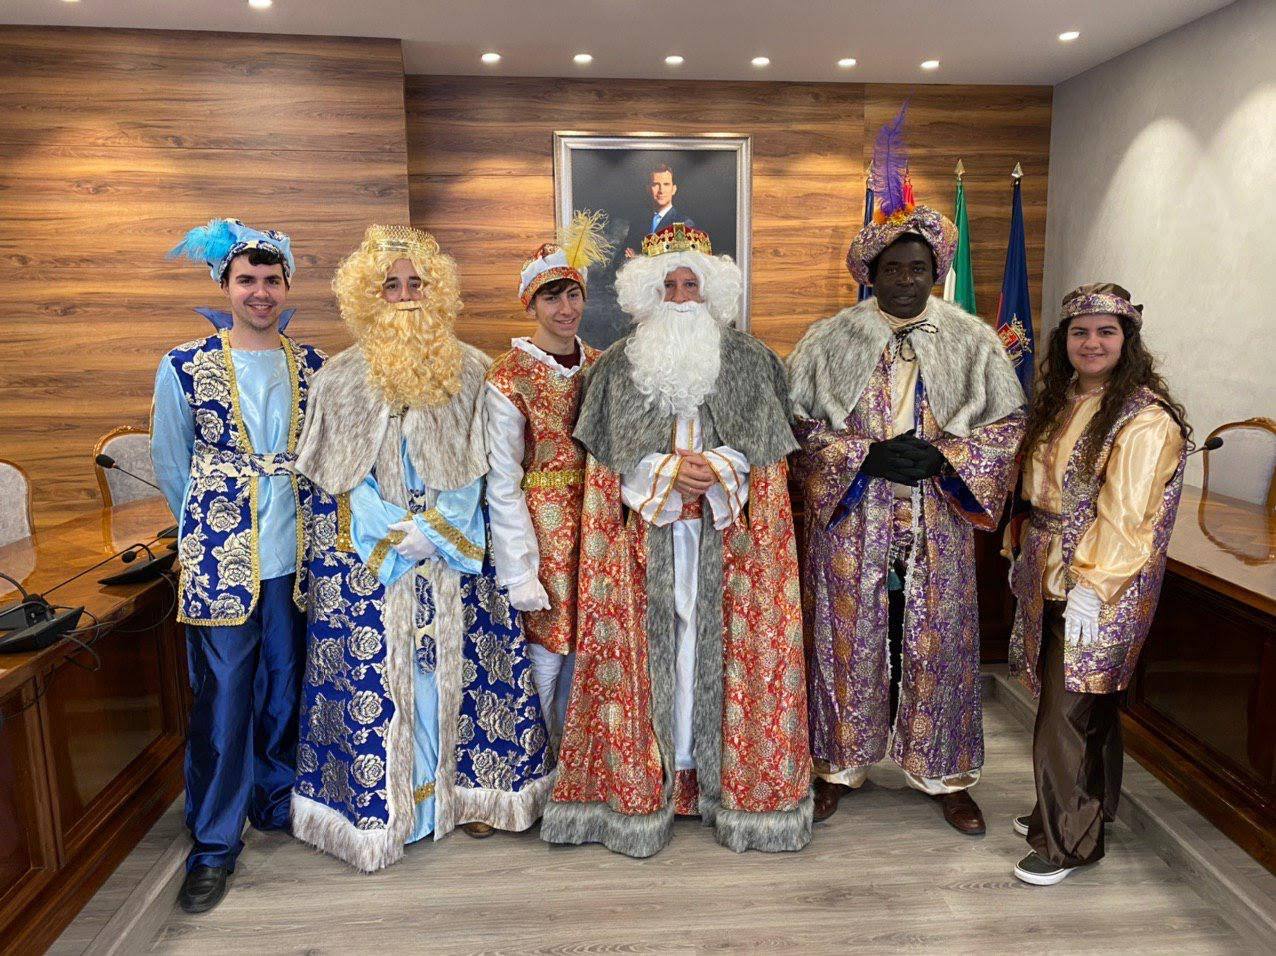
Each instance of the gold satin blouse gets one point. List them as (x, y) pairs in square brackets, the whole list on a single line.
[(1115, 548), (903, 389)]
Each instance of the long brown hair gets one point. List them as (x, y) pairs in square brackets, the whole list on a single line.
[(1136, 367)]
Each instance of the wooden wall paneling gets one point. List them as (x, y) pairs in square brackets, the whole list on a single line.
[(112, 144), (481, 176)]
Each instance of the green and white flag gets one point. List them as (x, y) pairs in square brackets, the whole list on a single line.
[(959, 285)]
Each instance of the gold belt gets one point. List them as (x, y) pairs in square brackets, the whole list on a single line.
[(553, 479)]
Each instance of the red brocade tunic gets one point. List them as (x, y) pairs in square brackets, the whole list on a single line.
[(552, 482)]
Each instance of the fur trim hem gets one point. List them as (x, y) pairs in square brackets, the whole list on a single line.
[(775, 831), (510, 810), (327, 830), (639, 836)]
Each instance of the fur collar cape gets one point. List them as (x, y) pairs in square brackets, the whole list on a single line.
[(969, 380), (748, 410), (347, 420)]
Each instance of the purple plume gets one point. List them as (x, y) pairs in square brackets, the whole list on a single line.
[(890, 165)]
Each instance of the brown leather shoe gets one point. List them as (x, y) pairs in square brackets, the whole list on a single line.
[(480, 831), (962, 813), (827, 796)]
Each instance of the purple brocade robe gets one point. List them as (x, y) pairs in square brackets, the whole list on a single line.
[(1106, 666), (849, 529)]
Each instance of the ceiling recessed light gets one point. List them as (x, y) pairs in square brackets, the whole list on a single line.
[(583, 58), (930, 64), (761, 61), (491, 58), (1067, 36), (674, 60), (260, 4), (846, 62)]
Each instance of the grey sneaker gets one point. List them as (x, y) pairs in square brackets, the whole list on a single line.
[(1039, 872), (1020, 824)]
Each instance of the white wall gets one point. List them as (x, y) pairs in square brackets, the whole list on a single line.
[(1163, 179)]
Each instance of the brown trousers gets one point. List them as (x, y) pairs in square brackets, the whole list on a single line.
[(1076, 759)]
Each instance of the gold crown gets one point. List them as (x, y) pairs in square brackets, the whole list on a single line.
[(677, 238), (412, 243)]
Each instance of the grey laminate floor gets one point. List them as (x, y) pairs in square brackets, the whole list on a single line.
[(885, 873)]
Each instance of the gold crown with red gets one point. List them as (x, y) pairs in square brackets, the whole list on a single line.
[(678, 237)]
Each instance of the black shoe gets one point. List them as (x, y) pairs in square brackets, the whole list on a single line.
[(1020, 824), (1041, 872), (203, 888)]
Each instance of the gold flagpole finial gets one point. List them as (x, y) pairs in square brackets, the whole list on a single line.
[(961, 169), (1017, 173)]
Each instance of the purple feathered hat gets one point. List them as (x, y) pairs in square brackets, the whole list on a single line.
[(896, 213)]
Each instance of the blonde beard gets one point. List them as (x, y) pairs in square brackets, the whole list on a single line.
[(413, 357), (675, 355)]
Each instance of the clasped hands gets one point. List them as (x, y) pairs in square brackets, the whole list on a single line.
[(695, 476), (905, 459)]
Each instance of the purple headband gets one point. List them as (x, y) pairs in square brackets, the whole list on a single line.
[(1083, 302)]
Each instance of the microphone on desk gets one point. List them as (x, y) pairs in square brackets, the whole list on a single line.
[(1214, 444), (106, 461), (34, 622)]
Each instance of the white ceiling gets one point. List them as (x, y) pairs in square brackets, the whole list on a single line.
[(977, 41)]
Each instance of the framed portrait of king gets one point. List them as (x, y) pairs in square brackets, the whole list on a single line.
[(644, 184)]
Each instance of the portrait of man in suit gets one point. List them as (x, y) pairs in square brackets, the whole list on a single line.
[(643, 184), (663, 188)]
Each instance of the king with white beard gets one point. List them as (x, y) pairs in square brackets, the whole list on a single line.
[(689, 694)]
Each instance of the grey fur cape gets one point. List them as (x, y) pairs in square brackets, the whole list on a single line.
[(595, 797)]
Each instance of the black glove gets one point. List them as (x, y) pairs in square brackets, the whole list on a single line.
[(905, 459), (922, 459), (887, 459)]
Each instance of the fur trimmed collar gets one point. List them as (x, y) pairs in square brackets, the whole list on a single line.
[(748, 411), (969, 381), (346, 422)]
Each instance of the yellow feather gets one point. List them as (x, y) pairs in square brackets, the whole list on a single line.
[(583, 241)]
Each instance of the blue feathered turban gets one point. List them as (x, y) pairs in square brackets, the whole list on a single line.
[(217, 243)]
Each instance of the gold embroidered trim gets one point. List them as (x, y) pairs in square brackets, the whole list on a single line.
[(554, 479), (453, 535), (423, 792), (344, 540), (382, 551), (294, 433)]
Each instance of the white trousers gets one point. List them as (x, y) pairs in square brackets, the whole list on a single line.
[(686, 574), (553, 676)]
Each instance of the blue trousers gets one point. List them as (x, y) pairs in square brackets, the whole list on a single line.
[(241, 750)]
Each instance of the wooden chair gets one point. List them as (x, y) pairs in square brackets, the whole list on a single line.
[(1238, 494), (130, 446), (15, 503)]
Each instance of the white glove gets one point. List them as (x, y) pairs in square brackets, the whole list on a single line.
[(1081, 617), (1010, 576), (529, 596), (415, 546)]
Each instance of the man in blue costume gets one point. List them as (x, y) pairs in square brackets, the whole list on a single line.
[(419, 710), (227, 415)]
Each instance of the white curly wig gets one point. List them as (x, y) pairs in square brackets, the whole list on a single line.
[(640, 283)]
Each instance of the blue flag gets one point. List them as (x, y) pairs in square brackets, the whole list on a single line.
[(1014, 309), (867, 290)]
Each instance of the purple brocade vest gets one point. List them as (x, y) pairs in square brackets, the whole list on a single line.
[(1107, 665)]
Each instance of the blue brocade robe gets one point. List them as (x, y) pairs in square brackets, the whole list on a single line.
[(419, 711)]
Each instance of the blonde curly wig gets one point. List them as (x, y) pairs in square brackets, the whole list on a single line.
[(413, 355)]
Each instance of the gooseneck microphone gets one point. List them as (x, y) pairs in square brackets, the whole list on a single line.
[(106, 461), (1214, 444)]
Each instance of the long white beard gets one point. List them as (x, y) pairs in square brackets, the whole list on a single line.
[(675, 355)]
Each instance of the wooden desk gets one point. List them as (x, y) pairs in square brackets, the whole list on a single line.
[(89, 759), (1201, 712)]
